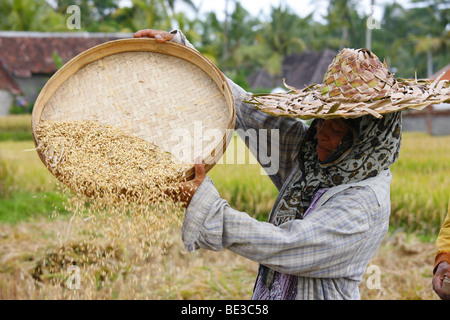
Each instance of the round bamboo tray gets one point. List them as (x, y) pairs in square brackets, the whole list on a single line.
[(165, 93)]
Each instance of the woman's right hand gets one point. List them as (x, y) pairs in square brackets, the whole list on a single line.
[(158, 35), (186, 190)]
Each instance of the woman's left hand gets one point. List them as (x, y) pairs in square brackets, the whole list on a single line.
[(158, 35)]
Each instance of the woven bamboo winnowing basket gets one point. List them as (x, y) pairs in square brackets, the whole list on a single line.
[(164, 93)]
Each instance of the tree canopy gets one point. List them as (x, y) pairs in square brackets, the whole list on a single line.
[(407, 38)]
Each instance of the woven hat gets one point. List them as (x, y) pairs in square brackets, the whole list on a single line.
[(164, 93), (355, 84)]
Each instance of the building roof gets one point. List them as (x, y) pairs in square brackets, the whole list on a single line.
[(446, 76), (27, 53), (307, 68), (261, 79), (299, 70)]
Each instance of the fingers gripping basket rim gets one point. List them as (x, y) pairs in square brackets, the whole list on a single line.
[(184, 81)]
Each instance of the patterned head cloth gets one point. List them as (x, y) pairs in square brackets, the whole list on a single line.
[(372, 145)]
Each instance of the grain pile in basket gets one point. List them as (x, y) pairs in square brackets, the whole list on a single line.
[(103, 163)]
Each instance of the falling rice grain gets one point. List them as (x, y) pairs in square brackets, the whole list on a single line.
[(119, 192), (102, 162)]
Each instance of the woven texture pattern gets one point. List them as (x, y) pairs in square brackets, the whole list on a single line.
[(355, 84), (160, 98), (357, 77)]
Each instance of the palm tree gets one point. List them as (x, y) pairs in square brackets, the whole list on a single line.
[(340, 16), (434, 41), (170, 4), (30, 15), (149, 14), (241, 29), (413, 36), (155, 14), (282, 36), (180, 16), (210, 31)]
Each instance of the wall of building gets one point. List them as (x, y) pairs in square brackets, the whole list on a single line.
[(31, 86), (6, 101), (437, 125), (440, 125), (418, 124)]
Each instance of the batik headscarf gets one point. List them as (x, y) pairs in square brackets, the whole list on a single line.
[(371, 146)]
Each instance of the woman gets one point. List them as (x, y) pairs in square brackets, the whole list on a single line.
[(333, 207)]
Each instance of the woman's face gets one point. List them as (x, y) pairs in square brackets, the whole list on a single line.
[(329, 134)]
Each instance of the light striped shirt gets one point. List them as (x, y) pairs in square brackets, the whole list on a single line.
[(328, 250)]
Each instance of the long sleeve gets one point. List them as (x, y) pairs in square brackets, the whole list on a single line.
[(332, 241)]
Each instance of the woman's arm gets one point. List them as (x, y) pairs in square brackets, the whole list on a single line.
[(274, 141), (336, 240)]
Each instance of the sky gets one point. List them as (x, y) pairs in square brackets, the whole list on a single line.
[(301, 7), (263, 7)]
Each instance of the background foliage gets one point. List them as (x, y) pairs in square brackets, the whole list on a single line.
[(244, 42)]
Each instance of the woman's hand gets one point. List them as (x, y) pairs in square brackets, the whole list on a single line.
[(442, 270), (158, 35), (187, 189)]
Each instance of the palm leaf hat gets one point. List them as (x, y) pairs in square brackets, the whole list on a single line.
[(355, 84)]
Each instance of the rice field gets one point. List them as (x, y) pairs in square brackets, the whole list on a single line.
[(420, 188), (39, 240)]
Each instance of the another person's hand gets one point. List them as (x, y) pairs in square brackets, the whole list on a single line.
[(187, 189), (442, 271), (158, 35)]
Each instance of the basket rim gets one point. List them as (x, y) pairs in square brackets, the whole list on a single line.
[(138, 45)]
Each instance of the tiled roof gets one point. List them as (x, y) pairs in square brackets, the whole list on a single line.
[(446, 76), (25, 53)]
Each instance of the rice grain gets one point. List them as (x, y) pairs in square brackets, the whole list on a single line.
[(119, 194)]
